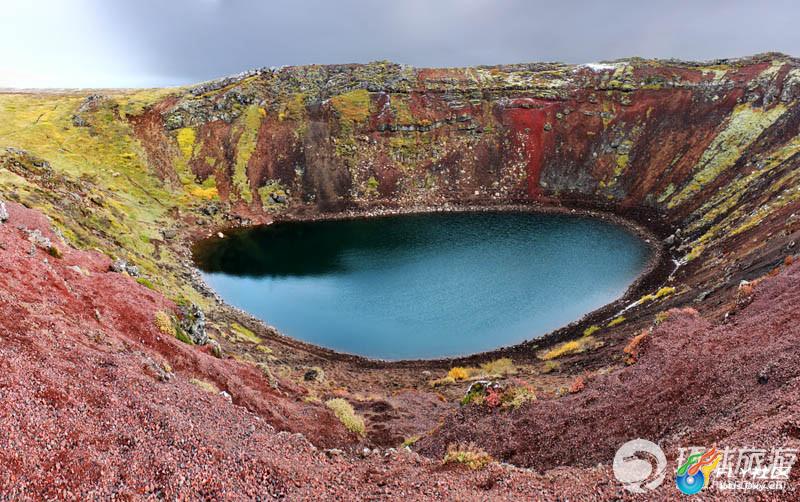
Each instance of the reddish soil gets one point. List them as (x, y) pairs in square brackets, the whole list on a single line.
[(85, 414)]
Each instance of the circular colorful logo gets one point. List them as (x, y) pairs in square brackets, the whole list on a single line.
[(689, 484), (695, 473)]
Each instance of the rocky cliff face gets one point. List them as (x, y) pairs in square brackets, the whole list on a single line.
[(710, 148)]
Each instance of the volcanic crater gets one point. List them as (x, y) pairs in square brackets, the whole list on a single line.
[(139, 378)]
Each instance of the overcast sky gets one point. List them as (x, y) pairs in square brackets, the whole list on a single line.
[(134, 43)]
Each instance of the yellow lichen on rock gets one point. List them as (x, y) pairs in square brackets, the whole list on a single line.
[(186, 139), (353, 105), (742, 128)]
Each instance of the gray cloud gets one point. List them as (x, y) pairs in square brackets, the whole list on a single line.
[(162, 42)]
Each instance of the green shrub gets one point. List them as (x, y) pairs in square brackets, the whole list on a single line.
[(475, 395), (244, 334), (167, 325), (517, 396), (616, 321), (145, 282), (183, 336), (594, 328)]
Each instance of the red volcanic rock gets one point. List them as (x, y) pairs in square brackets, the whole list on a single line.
[(530, 122)]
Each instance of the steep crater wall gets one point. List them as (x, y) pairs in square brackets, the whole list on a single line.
[(706, 149), (703, 154)]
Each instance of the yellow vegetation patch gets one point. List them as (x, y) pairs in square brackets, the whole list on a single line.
[(468, 455), (401, 110), (135, 102), (204, 193), (410, 441), (347, 415), (789, 188), (442, 381), (166, 323), (727, 198), (550, 366), (572, 347), (616, 321), (244, 334), (661, 293), (293, 108), (248, 128), (594, 328), (458, 373), (105, 155), (163, 322), (744, 126), (562, 350), (499, 367), (695, 252), (186, 138), (144, 281), (271, 187)]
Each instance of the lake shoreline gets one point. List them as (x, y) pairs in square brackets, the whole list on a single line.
[(657, 269)]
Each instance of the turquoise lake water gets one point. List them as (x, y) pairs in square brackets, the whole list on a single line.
[(423, 286)]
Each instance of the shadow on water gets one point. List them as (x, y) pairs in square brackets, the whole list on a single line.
[(314, 248)]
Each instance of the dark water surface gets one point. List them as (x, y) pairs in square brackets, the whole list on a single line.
[(423, 286)]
